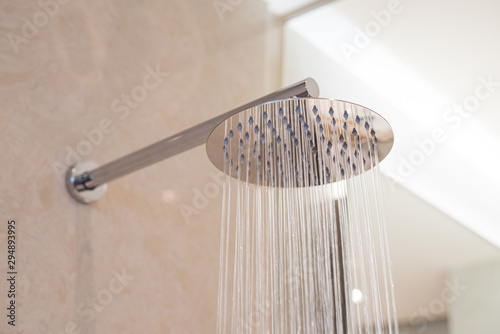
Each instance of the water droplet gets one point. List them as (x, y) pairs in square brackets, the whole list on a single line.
[(331, 111), (356, 153), (225, 141), (296, 142), (288, 128), (315, 110), (227, 156), (254, 152), (341, 138), (264, 115), (329, 144), (269, 124), (308, 134), (262, 138), (342, 152), (318, 119), (375, 140), (346, 115), (342, 172), (241, 142), (297, 110), (242, 159), (345, 126), (358, 120), (321, 128), (247, 136), (284, 120), (328, 152), (250, 120), (345, 146), (224, 149), (367, 126), (354, 132), (292, 135), (372, 133), (256, 129), (273, 132), (259, 159), (306, 127), (231, 134), (301, 118), (278, 140), (280, 112), (239, 127)]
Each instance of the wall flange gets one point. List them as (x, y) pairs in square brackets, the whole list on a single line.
[(75, 182)]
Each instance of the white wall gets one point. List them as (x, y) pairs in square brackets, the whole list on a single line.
[(477, 309), (438, 327)]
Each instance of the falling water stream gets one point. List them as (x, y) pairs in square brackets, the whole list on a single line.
[(303, 236)]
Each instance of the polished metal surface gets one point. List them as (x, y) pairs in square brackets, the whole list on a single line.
[(369, 128), (93, 177), (75, 183)]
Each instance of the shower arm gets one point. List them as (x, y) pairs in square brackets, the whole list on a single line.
[(87, 183)]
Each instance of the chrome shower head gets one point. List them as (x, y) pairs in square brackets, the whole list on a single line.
[(300, 142), (273, 138)]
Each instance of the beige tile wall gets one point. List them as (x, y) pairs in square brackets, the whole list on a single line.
[(131, 263)]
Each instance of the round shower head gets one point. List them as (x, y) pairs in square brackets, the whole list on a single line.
[(300, 142)]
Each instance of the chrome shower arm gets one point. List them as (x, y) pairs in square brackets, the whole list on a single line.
[(82, 183)]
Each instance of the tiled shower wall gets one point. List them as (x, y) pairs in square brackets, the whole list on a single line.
[(94, 80)]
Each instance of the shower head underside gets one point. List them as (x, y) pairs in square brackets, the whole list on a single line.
[(300, 142)]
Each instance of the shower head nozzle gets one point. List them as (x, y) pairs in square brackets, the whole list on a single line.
[(300, 142)]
